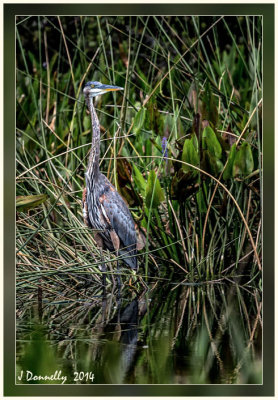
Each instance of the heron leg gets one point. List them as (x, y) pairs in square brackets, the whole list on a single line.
[(118, 274), (119, 284), (119, 302), (103, 270), (116, 244), (104, 306)]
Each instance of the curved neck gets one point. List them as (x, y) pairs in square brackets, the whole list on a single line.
[(93, 165)]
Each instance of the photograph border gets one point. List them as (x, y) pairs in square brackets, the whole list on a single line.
[(10, 12)]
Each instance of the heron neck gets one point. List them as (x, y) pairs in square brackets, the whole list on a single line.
[(93, 166)]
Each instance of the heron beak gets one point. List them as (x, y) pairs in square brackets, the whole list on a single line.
[(110, 88)]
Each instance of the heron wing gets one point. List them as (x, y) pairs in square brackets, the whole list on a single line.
[(119, 217), (120, 220)]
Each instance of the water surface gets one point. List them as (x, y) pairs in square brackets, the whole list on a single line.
[(170, 334)]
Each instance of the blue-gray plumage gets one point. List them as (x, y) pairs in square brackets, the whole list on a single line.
[(104, 209)]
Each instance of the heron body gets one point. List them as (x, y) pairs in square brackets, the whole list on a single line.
[(104, 210)]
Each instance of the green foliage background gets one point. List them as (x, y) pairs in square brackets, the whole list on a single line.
[(189, 106)]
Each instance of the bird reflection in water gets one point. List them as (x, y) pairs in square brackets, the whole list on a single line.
[(119, 335)]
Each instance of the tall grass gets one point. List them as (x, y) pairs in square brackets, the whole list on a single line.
[(181, 76)]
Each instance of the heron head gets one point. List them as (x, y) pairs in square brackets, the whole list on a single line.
[(94, 88)]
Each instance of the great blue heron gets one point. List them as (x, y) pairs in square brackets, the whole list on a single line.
[(104, 210)]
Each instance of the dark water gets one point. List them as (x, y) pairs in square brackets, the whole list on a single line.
[(169, 334)]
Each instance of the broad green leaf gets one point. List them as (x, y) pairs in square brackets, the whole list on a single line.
[(201, 202), (153, 191), (144, 79), (225, 146), (195, 141), (190, 154), (32, 201), (139, 120), (148, 147), (211, 142), (209, 107), (87, 123), (228, 172), (219, 165), (243, 163), (139, 180), (157, 146), (211, 164)]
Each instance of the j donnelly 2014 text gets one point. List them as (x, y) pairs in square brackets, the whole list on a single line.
[(28, 376)]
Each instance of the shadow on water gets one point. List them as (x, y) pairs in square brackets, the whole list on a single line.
[(169, 334)]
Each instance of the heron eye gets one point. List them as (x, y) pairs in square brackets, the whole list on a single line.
[(92, 86)]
